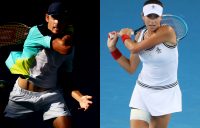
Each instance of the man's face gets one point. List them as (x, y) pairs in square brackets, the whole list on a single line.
[(56, 24)]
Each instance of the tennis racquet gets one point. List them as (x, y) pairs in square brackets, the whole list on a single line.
[(13, 33), (178, 23)]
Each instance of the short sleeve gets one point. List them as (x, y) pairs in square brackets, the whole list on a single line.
[(36, 39)]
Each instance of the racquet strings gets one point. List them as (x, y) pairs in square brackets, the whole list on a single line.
[(179, 25), (13, 33)]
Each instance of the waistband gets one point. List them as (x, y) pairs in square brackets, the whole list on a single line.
[(157, 87), (27, 85)]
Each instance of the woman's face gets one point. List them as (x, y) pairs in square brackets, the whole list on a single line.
[(152, 21)]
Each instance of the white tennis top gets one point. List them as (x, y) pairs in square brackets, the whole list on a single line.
[(160, 65)]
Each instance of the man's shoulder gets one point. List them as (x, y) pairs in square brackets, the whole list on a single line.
[(42, 29), (69, 29)]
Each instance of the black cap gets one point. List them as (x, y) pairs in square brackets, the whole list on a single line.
[(57, 8)]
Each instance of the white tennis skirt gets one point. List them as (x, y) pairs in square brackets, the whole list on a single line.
[(157, 102)]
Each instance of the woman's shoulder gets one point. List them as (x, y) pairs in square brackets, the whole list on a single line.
[(166, 28), (169, 32)]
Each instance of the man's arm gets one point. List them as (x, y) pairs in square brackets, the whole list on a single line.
[(62, 44), (84, 100)]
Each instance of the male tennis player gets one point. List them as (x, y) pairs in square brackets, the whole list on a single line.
[(156, 94), (47, 48)]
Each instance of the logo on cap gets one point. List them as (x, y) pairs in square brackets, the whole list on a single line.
[(152, 8)]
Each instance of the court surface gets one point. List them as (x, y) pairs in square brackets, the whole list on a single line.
[(116, 84)]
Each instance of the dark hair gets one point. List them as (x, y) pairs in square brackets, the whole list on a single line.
[(153, 2)]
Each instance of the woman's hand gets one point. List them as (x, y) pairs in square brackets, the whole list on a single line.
[(112, 40), (126, 31)]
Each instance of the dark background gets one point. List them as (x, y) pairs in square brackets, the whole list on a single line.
[(85, 15)]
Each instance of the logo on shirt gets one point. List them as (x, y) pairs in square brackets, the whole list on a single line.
[(158, 50)]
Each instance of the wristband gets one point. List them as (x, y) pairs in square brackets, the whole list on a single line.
[(116, 54), (124, 37)]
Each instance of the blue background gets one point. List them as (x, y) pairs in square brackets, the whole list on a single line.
[(116, 84)]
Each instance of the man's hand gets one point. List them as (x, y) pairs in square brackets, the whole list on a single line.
[(62, 45), (85, 102), (67, 39)]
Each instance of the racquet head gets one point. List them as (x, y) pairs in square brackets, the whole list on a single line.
[(178, 23), (13, 33)]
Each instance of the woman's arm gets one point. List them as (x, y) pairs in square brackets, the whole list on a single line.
[(163, 34), (130, 65)]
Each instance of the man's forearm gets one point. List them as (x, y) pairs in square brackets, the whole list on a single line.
[(76, 95)]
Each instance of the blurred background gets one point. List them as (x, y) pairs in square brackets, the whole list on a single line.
[(117, 85)]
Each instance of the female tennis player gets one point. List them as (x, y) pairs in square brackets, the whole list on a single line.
[(156, 94)]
